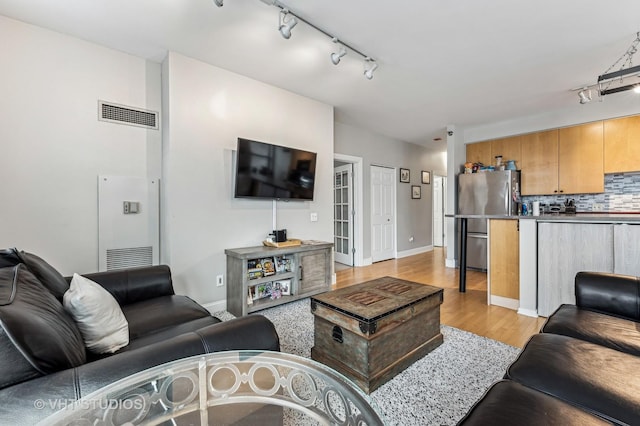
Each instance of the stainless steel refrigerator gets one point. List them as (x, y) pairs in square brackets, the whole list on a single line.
[(485, 193)]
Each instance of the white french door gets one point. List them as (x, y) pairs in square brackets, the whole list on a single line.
[(343, 214), (383, 213)]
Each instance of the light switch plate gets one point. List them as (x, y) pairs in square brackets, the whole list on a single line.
[(220, 280)]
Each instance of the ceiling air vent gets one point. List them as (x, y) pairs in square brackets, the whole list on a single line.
[(121, 114)]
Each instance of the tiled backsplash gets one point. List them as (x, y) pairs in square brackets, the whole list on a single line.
[(621, 194)]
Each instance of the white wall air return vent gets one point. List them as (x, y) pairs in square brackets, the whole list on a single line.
[(129, 257), (122, 114), (128, 222)]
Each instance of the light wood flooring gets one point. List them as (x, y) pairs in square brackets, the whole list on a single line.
[(467, 311)]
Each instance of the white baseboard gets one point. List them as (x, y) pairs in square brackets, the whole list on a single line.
[(216, 306), (528, 312), (333, 278), (505, 302), (414, 251), (450, 263), (366, 262)]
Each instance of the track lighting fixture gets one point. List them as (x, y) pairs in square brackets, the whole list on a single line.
[(584, 95), (369, 67), (336, 56), (612, 81), (287, 22)]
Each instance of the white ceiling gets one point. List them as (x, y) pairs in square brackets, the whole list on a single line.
[(463, 62)]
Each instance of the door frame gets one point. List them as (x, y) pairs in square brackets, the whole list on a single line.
[(358, 205), (444, 207)]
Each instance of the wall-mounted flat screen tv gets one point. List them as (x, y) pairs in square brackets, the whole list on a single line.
[(271, 171)]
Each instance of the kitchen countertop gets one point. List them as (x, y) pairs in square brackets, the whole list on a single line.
[(578, 217)]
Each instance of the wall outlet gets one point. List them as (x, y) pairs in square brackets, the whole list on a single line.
[(220, 280), (597, 207), (314, 217), (411, 239)]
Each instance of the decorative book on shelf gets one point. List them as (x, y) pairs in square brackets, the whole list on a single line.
[(258, 268), (268, 267)]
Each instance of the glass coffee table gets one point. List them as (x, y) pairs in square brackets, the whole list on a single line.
[(239, 388)]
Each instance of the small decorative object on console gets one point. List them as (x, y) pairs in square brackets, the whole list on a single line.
[(284, 286), (283, 264)]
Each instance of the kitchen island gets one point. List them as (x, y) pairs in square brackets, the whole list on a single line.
[(550, 250)]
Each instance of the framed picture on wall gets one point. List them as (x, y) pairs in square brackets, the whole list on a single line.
[(416, 192), (426, 177), (404, 175)]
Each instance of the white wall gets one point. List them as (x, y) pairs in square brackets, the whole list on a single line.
[(414, 217), (617, 105), (207, 109), (52, 146)]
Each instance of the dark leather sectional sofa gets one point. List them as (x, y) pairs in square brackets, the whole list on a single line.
[(583, 368), (40, 360)]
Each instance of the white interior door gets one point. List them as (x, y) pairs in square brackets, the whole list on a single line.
[(383, 213), (343, 214), (438, 211)]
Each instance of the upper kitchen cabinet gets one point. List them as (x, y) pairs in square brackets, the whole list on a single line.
[(479, 153), (509, 148), (622, 145), (581, 159), (539, 163)]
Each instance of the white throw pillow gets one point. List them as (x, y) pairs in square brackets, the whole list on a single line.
[(102, 324)]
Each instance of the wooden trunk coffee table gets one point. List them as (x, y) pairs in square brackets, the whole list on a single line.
[(372, 331)]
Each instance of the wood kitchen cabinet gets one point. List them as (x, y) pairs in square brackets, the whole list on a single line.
[(621, 145), (539, 164), (563, 161), (479, 153), (485, 152), (509, 148), (581, 159), (504, 261)]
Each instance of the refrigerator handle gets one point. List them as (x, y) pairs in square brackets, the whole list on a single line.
[(474, 235)]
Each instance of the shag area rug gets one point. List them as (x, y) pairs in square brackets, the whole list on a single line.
[(436, 390)]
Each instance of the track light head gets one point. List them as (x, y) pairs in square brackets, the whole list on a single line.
[(584, 96), (369, 67), (287, 22), (219, 3), (336, 56)]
